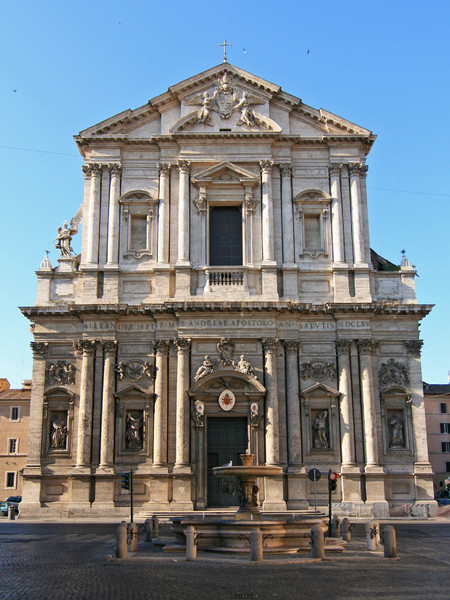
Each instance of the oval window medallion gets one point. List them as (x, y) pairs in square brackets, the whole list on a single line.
[(227, 400)]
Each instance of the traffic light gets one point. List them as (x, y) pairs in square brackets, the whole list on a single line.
[(125, 481), (332, 480)]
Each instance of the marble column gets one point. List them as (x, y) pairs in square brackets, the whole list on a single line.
[(182, 411), (85, 408), (336, 214), (107, 432), (183, 213), (293, 403), (40, 350), (267, 212), (270, 378), (160, 427), (288, 228), (366, 347), (163, 213), (345, 390), (113, 220), (94, 213), (413, 349), (357, 214)]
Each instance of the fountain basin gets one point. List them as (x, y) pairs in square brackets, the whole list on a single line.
[(233, 535)]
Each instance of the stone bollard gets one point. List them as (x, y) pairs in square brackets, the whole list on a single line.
[(155, 522), (317, 542), (335, 526), (376, 526), (148, 530), (371, 539), (11, 513), (345, 530), (390, 542), (121, 541), (256, 545), (133, 533), (191, 546)]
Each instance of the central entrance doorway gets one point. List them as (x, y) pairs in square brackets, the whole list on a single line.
[(227, 438)]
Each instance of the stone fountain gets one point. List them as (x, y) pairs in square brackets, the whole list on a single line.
[(232, 535)]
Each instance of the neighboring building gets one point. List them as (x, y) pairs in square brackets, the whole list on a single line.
[(437, 412), (226, 298), (14, 420)]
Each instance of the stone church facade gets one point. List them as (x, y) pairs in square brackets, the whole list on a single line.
[(225, 299)]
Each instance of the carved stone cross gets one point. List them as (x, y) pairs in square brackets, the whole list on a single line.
[(224, 50)]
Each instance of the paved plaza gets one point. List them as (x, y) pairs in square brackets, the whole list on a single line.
[(70, 561)]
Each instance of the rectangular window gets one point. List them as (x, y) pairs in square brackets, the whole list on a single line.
[(312, 232), (10, 480), (12, 446), (447, 467), (138, 232), (443, 407), (14, 413), (445, 446), (445, 427)]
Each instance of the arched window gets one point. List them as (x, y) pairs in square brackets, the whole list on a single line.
[(225, 236)]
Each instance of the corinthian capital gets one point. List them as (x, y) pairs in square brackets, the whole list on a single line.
[(115, 169), (161, 346), (87, 347), (110, 347), (291, 345), (182, 344), (366, 346), (335, 169), (96, 169), (164, 169), (266, 166), (39, 349), (285, 169), (354, 169), (184, 166), (413, 347), (87, 170), (269, 344), (343, 346)]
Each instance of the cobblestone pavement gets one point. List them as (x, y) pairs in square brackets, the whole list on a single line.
[(69, 561)]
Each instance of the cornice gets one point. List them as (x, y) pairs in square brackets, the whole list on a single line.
[(335, 310)]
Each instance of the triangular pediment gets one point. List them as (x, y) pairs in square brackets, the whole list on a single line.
[(320, 389), (226, 173), (224, 100)]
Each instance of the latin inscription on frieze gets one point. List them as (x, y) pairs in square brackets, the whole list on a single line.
[(226, 323)]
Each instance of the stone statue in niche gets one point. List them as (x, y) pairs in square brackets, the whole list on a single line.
[(205, 369), (396, 431), (320, 430), (245, 367), (58, 434), (134, 430)]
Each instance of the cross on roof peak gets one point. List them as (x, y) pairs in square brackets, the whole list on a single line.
[(224, 50)]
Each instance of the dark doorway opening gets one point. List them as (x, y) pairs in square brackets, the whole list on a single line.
[(225, 236), (227, 438)]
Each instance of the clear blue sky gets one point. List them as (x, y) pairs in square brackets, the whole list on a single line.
[(68, 65)]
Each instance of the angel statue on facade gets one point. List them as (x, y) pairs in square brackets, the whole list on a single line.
[(66, 233), (247, 114)]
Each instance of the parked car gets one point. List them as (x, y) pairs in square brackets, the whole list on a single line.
[(11, 501), (443, 497)]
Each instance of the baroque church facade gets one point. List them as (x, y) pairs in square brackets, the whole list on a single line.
[(226, 300)]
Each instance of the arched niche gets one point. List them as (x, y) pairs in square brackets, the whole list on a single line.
[(320, 417), (314, 233), (396, 419), (57, 429), (138, 225), (134, 424)]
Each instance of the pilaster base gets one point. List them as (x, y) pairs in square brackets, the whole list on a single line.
[(274, 496), (297, 491), (290, 281), (182, 282), (182, 490), (269, 282), (162, 281)]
